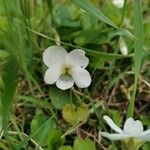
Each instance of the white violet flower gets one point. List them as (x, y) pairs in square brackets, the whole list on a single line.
[(66, 68), (118, 3), (131, 129)]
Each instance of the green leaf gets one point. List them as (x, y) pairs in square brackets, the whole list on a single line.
[(55, 140), (73, 114), (39, 119), (84, 145), (92, 36), (3, 54), (138, 51), (146, 146), (97, 63), (65, 148), (116, 116), (88, 6), (59, 97)]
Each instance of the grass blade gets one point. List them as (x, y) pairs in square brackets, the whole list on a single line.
[(88, 6), (10, 83), (138, 51), (92, 53)]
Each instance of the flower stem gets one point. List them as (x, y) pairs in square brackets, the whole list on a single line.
[(131, 144)]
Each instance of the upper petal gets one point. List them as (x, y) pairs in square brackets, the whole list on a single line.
[(64, 83), (128, 125), (133, 127), (77, 57), (54, 55), (137, 127), (52, 74), (81, 77), (112, 124), (115, 136)]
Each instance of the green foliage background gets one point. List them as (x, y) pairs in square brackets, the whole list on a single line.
[(34, 115)]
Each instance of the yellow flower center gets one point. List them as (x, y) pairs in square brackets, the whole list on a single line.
[(67, 70)]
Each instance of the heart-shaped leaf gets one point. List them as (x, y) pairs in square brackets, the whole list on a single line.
[(84, 145), (74, 115)]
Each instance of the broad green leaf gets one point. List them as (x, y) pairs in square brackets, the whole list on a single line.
[(67, 15), (146, 146), (97, 63), (59, 97), (92, 36), (65, 148), (145, 119), (3, 22), (116, 116), (3, 54), (73, 114), (54, 140), (86, 144), (138, 51), (88, 6), (39, 119)]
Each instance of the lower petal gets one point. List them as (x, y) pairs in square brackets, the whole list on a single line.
[(52, 74), (115, 136), (64, 84), (81, 77)]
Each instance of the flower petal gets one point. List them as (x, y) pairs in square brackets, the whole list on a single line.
[(77, 57), (118, 3), (146, 132), (81, 77), (52, 74), (137, 127), (133, 127), (64, 83), (115, 136), (112, 124), (128, 125), (144, 137), (53, 55)]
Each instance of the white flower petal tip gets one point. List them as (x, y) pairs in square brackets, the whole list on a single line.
[(110, 122), (118, 3), (65, 69), (132, 129)]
